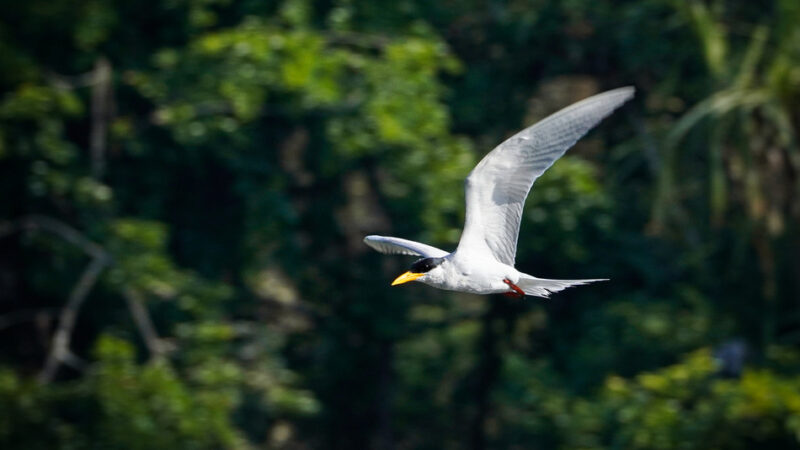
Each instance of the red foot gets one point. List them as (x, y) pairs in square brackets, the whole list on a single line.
[(516, 293)]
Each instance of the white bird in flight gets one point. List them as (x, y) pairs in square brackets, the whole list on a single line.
[(496, 189)]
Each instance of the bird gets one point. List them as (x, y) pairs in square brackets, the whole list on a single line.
[(495, 191)]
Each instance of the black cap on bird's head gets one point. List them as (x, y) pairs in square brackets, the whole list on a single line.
[(418, 269)]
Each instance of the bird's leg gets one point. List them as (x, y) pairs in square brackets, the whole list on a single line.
[(516, 293)]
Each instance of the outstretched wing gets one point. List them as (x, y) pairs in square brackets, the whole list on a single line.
[(497, 187), (397, 246)]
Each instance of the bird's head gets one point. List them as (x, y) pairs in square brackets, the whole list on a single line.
[(420, 270)]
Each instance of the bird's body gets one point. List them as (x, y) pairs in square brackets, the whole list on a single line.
[(496, 190), (458, 273)]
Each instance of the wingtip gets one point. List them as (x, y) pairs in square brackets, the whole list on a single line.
[(630, 90), (611, 99), (369, 241), (627, 91)]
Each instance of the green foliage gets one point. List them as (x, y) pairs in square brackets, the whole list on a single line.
[(151, 407), (130, 405), (685, 405)]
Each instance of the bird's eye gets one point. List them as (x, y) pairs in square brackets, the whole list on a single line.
[(420, 266), (425, 265)]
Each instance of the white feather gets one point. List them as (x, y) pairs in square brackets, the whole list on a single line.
[(497, 187), (397, 246), (496, 190)]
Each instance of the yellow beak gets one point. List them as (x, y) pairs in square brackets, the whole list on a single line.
[(406, 277)]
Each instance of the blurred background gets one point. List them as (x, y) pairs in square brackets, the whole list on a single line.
[(184, 186)]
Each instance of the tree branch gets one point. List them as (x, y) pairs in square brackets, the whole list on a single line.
[(67, 82), (143, 322), (59, 352), (57, 227), (59, 347), (101, 116)]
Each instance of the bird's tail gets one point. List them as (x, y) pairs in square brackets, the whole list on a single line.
[(542, 287)]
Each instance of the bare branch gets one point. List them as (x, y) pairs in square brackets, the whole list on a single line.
[(66, 82), (101, 115), (57, 227), (143, 322), (60, 352), (59, 346), (72, 360)]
